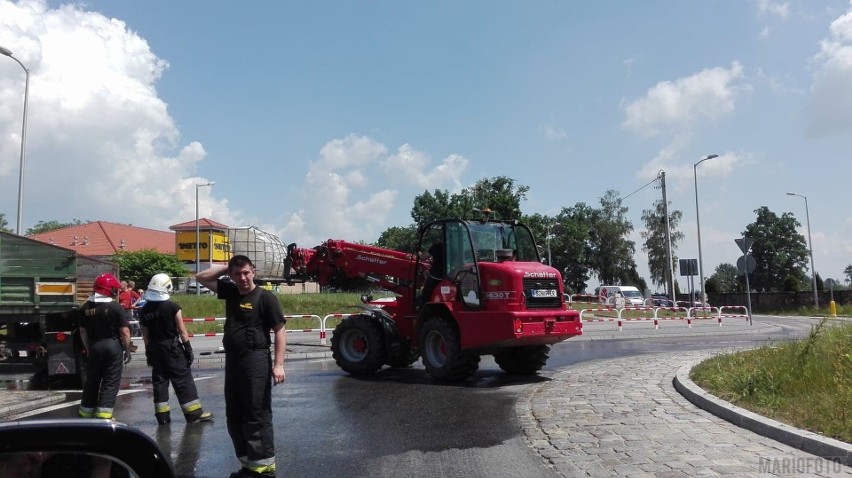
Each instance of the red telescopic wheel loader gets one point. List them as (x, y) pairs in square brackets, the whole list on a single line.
[(472, 288)]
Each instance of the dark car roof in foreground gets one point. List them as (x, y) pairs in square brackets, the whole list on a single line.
[(116, 440)]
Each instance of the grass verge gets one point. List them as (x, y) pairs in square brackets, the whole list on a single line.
[(806, 383), (198, 306)]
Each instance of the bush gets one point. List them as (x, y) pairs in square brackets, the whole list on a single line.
[(791, 284)]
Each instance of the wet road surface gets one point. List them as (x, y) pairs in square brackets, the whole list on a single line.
[(400, 422)]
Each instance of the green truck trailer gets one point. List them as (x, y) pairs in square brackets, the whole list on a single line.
[(40, 285)]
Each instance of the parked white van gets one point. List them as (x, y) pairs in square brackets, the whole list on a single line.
[(621, 296)]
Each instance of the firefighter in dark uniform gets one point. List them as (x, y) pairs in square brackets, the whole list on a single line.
[(169, 353), (251, 312), (106, 338)]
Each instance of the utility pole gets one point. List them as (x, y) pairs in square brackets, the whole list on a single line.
[(670, 289)]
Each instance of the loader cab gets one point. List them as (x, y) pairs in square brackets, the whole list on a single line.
[(453, 250)]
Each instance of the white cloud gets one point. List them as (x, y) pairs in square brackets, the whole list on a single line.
[(769, 7), (676, 105), (409, 166), (100, 142), (679, 168), (553, 133), (829, 110), (355, 186)]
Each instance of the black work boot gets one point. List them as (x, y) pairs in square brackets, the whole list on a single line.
[(163, 418), (199, 417)]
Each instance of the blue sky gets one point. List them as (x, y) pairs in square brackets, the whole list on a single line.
[(325, 119)]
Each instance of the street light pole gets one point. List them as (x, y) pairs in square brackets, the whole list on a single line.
[(698, 221), (198, 233), (810, 248), (7, 52)]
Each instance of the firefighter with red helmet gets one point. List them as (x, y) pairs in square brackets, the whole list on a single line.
[(169, 353), (106, 337)]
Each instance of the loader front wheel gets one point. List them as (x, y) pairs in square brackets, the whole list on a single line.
[(527, 360), (440, 349), (358, 346)]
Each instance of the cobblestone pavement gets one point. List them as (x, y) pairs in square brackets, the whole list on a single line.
[(584, 425)]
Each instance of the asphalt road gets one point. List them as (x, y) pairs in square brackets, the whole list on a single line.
[(328, 424)]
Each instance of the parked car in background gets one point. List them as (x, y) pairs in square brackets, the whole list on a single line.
[(192, 285), (661, 300), (621, 296)]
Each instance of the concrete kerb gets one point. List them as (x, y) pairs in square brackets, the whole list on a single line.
[(810, 442)]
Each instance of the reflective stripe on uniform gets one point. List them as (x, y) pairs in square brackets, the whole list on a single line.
[(191, 406), (103, 413), (265, 465), (162, 407), (86, 412)]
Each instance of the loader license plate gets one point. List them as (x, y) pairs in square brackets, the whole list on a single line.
[(543, 293)]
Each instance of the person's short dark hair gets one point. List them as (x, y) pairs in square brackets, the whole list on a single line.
[(239, 261)]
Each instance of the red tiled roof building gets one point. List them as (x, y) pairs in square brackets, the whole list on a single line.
[(105, 239)]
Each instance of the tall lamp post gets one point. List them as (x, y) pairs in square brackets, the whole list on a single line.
[(698, 222), (198, 233), (7, 52), (810, 247)]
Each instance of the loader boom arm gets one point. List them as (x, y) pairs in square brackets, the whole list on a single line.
[(391, 269)]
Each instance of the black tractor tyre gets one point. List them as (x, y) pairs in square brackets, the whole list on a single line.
[(403, 358), (526, 360), (440, 349), (358, 345)]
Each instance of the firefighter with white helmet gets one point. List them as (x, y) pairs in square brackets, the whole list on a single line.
[(169, 353), (106, 338)]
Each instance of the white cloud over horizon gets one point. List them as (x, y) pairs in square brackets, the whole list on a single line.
[(104, 147), (829, 111), (672, 106)]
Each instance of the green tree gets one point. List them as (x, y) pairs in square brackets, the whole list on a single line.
[(499, 194), (4, 224), (539, 225), (725, 279), (140, 266), (779, 251), (47, 226), (399, 238), (655, 240), (848, 272), (571, 245), (431, 206), (611, 251)]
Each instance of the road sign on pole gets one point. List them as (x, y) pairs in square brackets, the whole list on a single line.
[(744, 244), (746, 264)]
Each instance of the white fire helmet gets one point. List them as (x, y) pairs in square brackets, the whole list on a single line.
[(159, 288)]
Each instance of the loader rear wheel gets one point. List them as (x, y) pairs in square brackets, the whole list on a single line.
[(440, 348), (358, 346), (526, 360)]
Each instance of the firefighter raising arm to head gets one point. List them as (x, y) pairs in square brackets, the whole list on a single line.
[(251, 313)]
